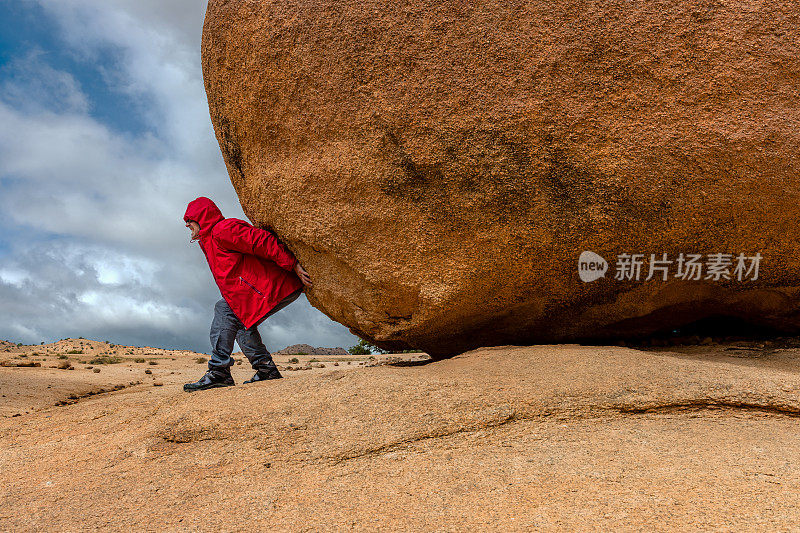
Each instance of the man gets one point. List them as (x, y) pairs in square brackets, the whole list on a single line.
[(257, 276)]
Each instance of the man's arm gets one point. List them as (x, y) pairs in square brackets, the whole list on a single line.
[(256, 241)]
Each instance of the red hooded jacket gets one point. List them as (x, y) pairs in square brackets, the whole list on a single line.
[(252, 269)]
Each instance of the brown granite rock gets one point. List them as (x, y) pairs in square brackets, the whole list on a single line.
[(307, 349), (438, 167), (296, 349)]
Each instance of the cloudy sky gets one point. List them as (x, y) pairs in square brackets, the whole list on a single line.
[(104, 139)]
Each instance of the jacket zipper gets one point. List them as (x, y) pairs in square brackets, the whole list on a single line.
[(251, 286)]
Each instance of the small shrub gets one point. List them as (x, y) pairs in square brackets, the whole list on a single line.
[(313, 360), (62, 356), (19, 344), (200, 360), (75, 351), (138, 360), (367, 348), (294, 360), (105, 360), (362, 348), (152, 362), (64, 365), (301, 353)]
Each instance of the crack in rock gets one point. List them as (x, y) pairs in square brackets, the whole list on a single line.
[(588, 412)]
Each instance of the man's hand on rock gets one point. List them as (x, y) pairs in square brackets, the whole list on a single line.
[(303, 275)]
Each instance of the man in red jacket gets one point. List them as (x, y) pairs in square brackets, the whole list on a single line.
[(256, 275)]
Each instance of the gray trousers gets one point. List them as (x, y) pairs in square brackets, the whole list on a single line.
[(227, 328)]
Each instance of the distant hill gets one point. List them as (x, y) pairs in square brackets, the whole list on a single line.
[(310, 350)]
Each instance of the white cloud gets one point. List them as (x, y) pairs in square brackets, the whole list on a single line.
[(32, 85), (14, 276), (98, 246), (127, 311)]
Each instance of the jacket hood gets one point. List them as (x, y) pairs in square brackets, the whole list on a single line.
[(205, 212)]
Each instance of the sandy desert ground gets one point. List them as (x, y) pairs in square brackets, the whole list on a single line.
[(510, 438)]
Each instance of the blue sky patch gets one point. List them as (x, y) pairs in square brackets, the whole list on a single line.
[(27, 29)]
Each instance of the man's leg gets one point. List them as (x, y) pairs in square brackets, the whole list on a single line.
[(253, 347), (224, 329), (223, 332)]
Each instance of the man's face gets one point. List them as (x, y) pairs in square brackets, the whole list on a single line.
[(194, 227)]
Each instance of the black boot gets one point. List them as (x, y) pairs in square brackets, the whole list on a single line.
[(263, 374), (212, 378)]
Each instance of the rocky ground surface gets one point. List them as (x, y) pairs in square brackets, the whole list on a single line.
[(36, 377), (510, 438)]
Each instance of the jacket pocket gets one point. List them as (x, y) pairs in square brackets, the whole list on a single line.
[(242, 280)]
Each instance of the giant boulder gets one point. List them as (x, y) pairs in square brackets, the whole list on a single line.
[(438, 167)]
